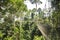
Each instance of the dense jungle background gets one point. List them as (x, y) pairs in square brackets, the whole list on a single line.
[(19, 23)]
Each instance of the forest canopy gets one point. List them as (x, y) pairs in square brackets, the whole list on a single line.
[(19, 23)]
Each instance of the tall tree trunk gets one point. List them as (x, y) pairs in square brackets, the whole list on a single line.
[(36, 8)]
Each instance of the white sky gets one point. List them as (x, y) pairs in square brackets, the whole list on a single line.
[(42, 6)]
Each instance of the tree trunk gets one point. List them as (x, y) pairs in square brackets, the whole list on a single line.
[(45, 30)]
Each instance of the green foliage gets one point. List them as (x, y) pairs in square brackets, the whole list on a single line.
[(12, 28), (56, 13), (39, 38), (8, 11), (1, 34)]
